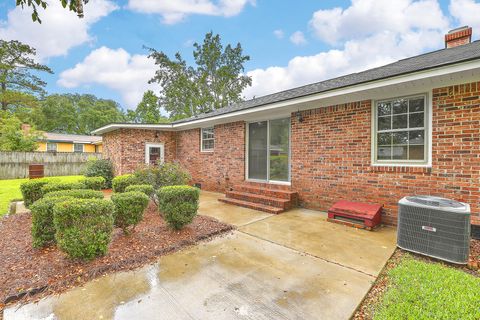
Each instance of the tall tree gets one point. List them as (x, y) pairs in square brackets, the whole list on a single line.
[(147, 111), (216, 81), (13, 137), (73, 5), (75, 113), (18, 82)]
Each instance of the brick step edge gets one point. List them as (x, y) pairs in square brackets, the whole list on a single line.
[(258, 198), (283, 194), (252, 205)]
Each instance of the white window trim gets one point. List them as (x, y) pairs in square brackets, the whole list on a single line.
[(54, 143), (201, 140), (427, 163), (154, 145), (83, 147)]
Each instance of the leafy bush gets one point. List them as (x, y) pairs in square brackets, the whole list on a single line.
[(144, 188), (76, 193), (94, 183), (119, 183), (166, 174), (83, 227), (129, 207), (43, 230), (179, 204), (100, 168), (57, 186), (32, 190)]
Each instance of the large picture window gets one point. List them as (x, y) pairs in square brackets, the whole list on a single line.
[(401, 130), (207, 139)]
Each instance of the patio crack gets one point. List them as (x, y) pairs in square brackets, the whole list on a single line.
[(308, 254)]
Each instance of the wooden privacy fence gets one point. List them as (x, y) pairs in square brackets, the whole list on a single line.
[(14, 165)]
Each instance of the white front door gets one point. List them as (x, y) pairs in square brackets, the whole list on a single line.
[(154, 153)]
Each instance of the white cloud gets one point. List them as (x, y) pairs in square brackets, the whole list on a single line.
[(298, 38), (116, 69), (279, 34), (368, 17), (175, 11), (60, 29), (467, 12), (372, 33)]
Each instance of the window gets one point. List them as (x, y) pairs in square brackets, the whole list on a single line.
[(401, 130), (51, 147), (207, 139), (78, 147)]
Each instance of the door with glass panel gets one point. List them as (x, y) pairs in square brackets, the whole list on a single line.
[(269, 150)]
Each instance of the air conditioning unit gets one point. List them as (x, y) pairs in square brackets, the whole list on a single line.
[(434, 226)]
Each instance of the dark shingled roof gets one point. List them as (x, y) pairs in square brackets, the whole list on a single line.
[(418, 63)]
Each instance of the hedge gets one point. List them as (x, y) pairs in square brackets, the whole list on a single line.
[(94, 183), (83, 227), (100, 168), (129, 208), (32, 190), (57, 186), (179, 204), (144, 188), (165, 174), (119, 183), (76, 193), (43, 230)]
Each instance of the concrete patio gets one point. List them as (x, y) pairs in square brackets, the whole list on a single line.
[(290, 266)]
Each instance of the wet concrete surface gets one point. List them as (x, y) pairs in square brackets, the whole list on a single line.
[(291, 266), (237, 216), (308, 231)]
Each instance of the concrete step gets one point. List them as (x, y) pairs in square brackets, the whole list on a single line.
[(260, 198), (252, 205)]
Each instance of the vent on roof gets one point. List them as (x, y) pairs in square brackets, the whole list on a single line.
[(458, 37)]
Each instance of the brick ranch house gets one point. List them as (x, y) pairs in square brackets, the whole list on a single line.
[(409, 127)]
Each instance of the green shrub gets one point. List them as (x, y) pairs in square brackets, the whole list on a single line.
[(57, 186), (43, 230), (94, 183), (179, 204), (119, 183), (100, 168), (32, 190), (83, 227), (144, 188), (129, 207), (166, 174), (76, 193)]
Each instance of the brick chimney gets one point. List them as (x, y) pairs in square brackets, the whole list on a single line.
[(458, 37)]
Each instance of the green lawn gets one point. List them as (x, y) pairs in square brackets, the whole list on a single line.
[(10, 190), (424, 290)]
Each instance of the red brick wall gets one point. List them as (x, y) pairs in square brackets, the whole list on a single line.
[(126, 147), (331, 155), (218, 169)]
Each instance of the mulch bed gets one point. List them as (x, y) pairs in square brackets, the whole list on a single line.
[(28, 274), (373, 297)]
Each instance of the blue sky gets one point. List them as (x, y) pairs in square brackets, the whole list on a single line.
[(291, 43)]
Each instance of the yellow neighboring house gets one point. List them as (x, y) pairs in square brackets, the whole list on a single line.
[(60, 142)]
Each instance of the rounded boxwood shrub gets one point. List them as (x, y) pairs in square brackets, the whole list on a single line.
[(144, 188), (94, 183), (165, 174), (119, 183), (76, 193), (100, 168), (83, 227), (57, 186), (129, 208), (32, 190), (43, 230), (179, 204)]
